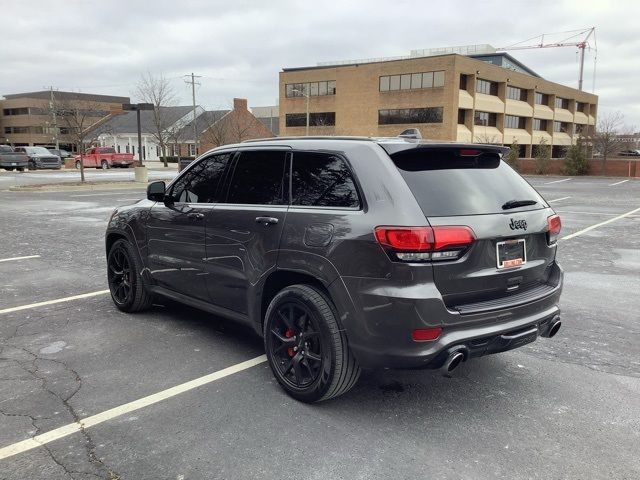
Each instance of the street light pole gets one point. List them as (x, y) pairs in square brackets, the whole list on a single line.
[(139, 137)]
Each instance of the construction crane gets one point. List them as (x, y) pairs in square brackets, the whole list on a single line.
[(569, 41)]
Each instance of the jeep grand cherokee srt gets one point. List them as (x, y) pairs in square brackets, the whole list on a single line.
[(348, 253)]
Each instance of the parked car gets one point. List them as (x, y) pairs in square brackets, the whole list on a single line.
[(104, 157), (348, 253), (10, 159), (630, 153), (40, 158), (59, 152)]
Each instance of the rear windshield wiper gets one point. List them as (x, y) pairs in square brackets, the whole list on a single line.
[(517, 203)]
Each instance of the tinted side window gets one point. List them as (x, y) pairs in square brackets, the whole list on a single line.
[(259, 178), (323, 180), (200, 183)]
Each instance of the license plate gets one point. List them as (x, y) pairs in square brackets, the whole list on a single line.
[(511, 253)]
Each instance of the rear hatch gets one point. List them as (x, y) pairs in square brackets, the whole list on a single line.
[(511, 256)]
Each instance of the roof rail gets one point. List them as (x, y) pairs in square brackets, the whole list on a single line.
[(412, 133), (318, 137)]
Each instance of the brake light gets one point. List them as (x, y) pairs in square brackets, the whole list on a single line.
[(468, 152), (417, 244), (554, 225), (413, 239)]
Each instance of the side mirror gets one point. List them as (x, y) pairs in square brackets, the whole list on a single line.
[(156, 191)]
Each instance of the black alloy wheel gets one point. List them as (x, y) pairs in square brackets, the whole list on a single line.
[(119, 275), (128, 289), (295, 343), (307, 349)]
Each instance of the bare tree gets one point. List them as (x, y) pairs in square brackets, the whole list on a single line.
[(78, 117), (606, 139), (233, 127), (158, 92)]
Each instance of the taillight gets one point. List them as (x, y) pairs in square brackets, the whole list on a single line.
[(554, 225), (419, 244)]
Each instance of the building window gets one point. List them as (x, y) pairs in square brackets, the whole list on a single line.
[(486, 119), (511, 121), (18, 129), (316, 119), (133, 149), (581, 107), (579, 128), (15, 111), (542, 99), (462, 116), (515, 93), (486, 87), (127, 148), (192, 149), (312, 88), (562, 103), (539, 124), (561, 127), (410, 115), (411, 81), (463, 82), (118, 148), (157, 151)]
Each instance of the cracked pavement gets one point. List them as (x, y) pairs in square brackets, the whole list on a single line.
[(568, 407)]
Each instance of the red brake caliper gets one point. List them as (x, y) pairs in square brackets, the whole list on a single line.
[(290, 333)]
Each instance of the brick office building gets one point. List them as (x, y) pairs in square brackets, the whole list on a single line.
[(484, 97), (28, 119)]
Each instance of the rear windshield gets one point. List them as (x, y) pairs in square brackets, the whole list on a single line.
[(448, 184)]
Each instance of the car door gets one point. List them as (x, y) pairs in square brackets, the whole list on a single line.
[(243, 232), (176, 228)]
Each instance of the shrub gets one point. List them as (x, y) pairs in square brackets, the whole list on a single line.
[(513, 157), (543, 157), (575, 160)]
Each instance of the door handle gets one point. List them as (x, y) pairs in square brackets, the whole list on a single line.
[(195, 216), (267, 220)]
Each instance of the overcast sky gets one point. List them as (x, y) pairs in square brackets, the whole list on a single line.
[(238, 47)]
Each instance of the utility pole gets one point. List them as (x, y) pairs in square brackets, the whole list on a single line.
[(193, 95), (54, 121)]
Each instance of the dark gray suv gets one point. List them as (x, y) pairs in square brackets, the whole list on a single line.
[(348, 253)]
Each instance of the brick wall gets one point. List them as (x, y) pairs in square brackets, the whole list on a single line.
[(615, 167)]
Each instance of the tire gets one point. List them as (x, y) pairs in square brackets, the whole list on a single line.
[(77, 164), (20, 169), (302, 317), (9, 169), (104, 165), (128, 291)]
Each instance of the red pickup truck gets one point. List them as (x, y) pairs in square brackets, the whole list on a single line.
[(104, 157)]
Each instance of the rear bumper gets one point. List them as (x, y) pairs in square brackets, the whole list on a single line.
[(14, 164), (379, 329)]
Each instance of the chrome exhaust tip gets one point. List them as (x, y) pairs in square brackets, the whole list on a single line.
[(555, 328), (452, 362)]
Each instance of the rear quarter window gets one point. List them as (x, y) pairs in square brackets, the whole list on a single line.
[(446, 183)]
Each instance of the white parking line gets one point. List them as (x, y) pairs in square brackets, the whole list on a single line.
[(93, 420), (592, 227), (52, 302), (618, 183), (558, 199), (557, 181), (18, 258)]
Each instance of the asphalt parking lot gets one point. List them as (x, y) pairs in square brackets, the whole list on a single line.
[(561, 408)]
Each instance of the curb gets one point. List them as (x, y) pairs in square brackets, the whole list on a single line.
[(61, 187)]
